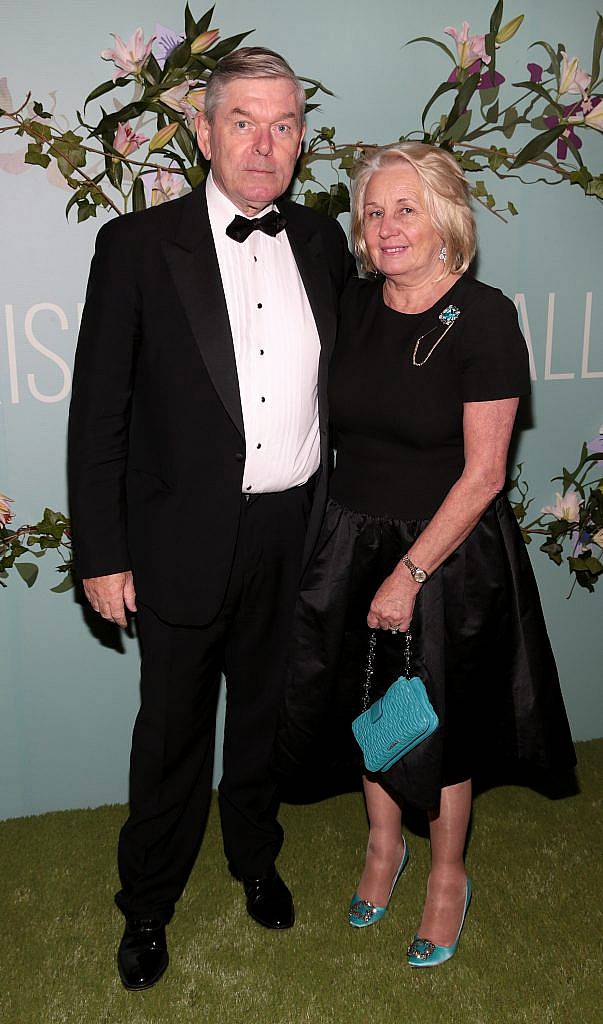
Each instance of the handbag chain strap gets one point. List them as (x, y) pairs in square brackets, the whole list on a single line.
[(370, 664)]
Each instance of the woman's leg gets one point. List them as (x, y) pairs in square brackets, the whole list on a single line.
[(385, 844), (447, 881)]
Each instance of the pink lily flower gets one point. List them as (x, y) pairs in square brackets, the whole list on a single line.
[(593, 112), (126, 140), (163, 187), (572, 78), (184, 99), (6, 513), (174, 97), (129, 57), (566, 507), (468, 48)]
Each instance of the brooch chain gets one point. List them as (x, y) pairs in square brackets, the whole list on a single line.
[(447, 317)]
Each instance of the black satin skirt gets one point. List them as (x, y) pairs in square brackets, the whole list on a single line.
[(479, 642)]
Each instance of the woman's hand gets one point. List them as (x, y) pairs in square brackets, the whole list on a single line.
[(393, 604)]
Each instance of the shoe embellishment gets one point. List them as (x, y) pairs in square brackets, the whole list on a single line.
[(363, 910), (421, 948)]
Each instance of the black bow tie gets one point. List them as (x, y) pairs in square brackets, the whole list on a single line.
[(271, 223)]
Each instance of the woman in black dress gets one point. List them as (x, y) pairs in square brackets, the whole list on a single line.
[(424, 386)]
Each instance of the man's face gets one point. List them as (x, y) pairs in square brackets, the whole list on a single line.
[(254, 140)]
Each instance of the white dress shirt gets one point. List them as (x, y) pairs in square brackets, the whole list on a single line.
[(276, 347)]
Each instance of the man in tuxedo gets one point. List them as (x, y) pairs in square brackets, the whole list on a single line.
[(198, 452)]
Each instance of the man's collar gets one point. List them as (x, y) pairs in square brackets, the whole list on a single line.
[(221, 209)]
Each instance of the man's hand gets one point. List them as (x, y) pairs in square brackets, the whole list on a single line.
[(111, 595)]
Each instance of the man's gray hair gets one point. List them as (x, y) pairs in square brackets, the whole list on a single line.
[(251, 62)]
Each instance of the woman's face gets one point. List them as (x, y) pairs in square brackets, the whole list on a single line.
[(398, 233)]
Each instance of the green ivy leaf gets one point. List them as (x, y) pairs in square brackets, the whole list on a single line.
[(510, 121), (497, 157), (331, 203), (194, 176), (595, 186), (83, 213), (553, 550), (64, 585), (39, 110), (35, 156), (305, 174), (512, 209), (339, 200), (28, 572)]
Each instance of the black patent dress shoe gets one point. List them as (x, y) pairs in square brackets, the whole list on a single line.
[(142, 956), (269, 901)]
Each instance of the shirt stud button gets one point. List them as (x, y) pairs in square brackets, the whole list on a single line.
[(259, 305)]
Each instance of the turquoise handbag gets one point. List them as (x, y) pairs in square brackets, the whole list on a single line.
[(398, 722)]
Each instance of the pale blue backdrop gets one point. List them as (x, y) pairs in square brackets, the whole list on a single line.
[(68, 699)]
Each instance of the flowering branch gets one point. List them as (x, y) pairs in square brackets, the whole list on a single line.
[(169, 72), (575, 520), (51, 533)]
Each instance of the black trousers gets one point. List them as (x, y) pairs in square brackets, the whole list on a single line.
[(173, 739)]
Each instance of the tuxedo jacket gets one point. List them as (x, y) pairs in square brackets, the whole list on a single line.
[(156, 437)]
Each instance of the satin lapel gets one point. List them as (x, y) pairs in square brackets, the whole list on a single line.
[(313, 268), (193, 263), (312, 264)]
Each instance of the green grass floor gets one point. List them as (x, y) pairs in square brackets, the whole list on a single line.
[(531, 950)]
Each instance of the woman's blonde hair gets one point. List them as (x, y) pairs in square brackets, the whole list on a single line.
[(445, 194)]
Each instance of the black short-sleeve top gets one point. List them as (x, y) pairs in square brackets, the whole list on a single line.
[(397, 401)]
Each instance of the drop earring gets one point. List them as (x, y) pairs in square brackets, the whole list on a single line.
[(443, 253)]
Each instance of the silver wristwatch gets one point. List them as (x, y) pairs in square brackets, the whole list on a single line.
[(418, 575)]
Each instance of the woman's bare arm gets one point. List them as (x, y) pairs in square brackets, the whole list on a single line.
[(487, 428)]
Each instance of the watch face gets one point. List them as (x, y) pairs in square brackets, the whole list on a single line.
[(420, 575)]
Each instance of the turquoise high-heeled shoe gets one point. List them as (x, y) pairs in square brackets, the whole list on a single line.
[(423, 953), (362, 913)]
